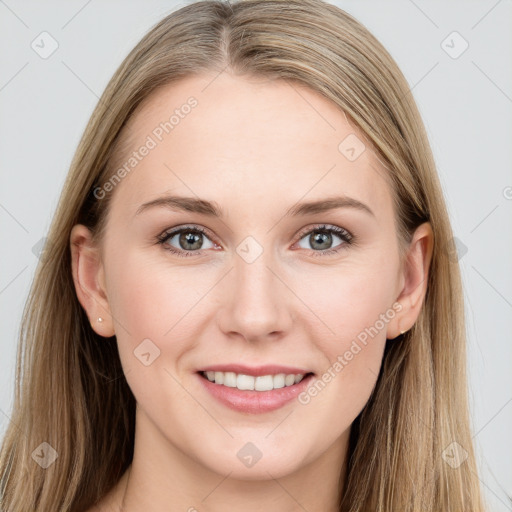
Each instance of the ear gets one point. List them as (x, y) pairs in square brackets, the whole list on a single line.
[(89, 279), (413, 282)]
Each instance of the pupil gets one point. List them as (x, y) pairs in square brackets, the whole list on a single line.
[(319, 238), (190, 238)]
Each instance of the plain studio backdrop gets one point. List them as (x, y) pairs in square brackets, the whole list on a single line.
[(57, 58)]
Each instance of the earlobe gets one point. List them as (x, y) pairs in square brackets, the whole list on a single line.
[(415, 280), (88, 277)]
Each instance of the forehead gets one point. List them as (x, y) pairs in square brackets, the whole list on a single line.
[(245, 142)]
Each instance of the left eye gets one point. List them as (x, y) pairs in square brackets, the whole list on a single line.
[(321, 236)]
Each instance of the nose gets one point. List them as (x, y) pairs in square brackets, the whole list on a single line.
[(255, 302)]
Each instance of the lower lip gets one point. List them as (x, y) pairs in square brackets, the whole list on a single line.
[(254, 402)]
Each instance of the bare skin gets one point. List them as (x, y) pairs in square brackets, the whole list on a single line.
[(112, 501), (255, 148)]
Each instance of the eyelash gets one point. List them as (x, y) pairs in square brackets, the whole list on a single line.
[(346, 236)]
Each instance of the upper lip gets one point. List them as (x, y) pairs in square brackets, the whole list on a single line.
[(255, 371)]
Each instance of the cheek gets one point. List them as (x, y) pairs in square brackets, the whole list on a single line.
[(353, 307), (156, 309), (345, 302), (153, 301), (150, 295)]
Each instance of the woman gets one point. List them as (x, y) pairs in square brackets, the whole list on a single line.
[(248, 300)]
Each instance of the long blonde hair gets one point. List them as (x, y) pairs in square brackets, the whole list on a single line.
[(70, 389)]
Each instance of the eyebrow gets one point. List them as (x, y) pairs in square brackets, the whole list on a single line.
[(212, 209)]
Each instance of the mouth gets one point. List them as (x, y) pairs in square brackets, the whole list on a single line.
[(255, 390), (260, 383)]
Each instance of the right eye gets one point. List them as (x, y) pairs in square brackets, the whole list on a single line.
[(188, 241)]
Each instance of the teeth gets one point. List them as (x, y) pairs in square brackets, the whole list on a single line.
[(279, 380), (289, 380), (244, 382), (264, 383), (230, 379), (248, 382)]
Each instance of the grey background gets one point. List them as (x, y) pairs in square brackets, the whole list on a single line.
[(466, 104)]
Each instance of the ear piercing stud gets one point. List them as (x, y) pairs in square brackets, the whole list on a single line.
[(100, 319)]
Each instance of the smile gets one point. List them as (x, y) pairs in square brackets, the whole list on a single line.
[(254, 390), (249, 382)]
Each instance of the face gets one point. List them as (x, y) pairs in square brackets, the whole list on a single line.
[(260, 288)]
